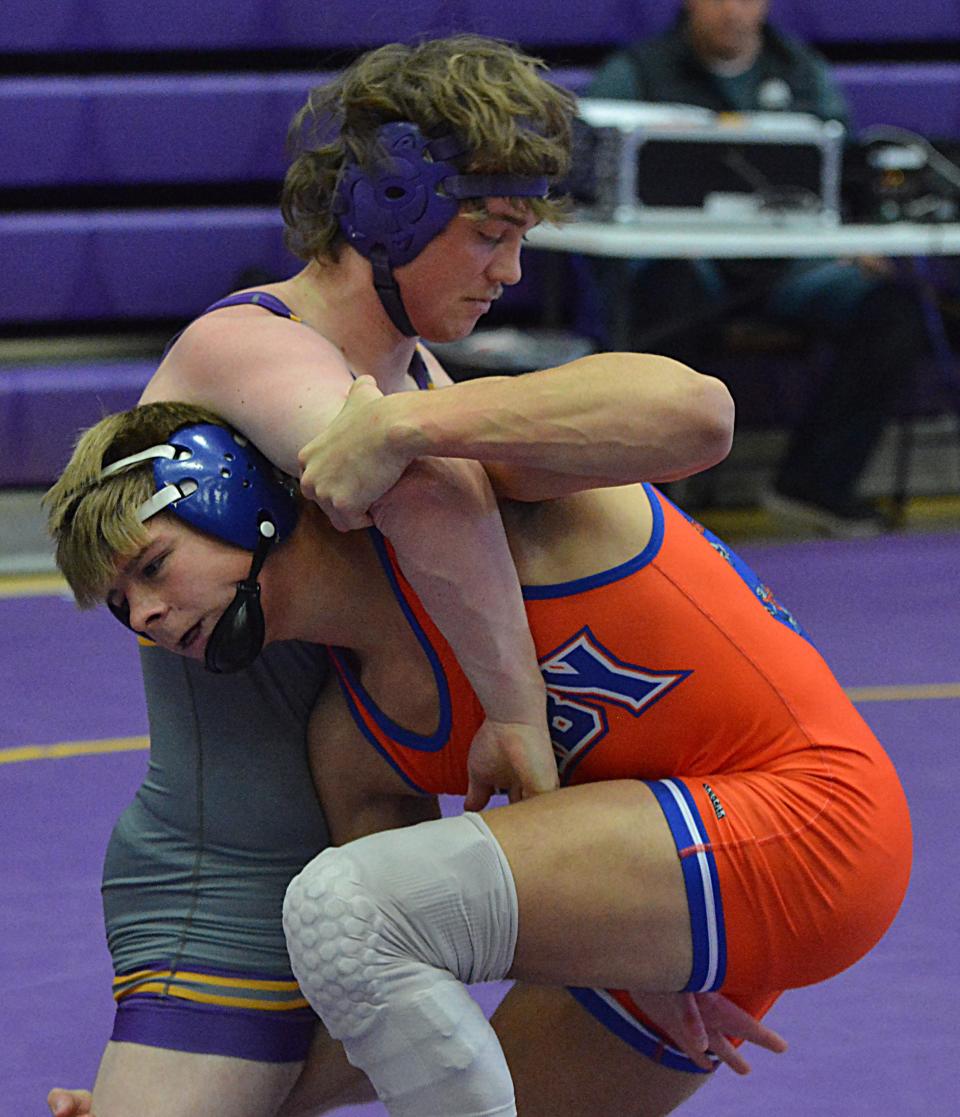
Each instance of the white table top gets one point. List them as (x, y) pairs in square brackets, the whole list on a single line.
[(745, 241)]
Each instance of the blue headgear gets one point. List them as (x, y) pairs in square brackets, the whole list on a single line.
[(391, 211), (215, 481)]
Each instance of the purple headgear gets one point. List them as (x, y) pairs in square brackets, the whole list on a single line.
[(390, 212)]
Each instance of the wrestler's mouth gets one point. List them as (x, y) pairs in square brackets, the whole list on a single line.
[(484, 300), (189, 639)]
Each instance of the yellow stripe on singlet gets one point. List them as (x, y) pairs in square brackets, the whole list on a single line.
[(268, 985), (178, 984), (213, 999)]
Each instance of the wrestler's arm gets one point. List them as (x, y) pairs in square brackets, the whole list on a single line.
[(280, 383), (607, 419)]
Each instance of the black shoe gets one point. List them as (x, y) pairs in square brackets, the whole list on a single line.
[(847, 518)]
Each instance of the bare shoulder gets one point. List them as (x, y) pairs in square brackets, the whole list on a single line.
[(278, 381), (242, 341)]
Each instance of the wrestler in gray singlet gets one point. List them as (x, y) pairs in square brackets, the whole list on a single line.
[(197, 866)]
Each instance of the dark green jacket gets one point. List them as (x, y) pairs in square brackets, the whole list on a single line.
[(786, 75)]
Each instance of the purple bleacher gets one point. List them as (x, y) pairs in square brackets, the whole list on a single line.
[(924, 98), (143, 264), (133, 263), (87, 25), (132, 129), (182, 128), (170, 128), (829, 21), (41, 410), (88, 266), (184, 25)]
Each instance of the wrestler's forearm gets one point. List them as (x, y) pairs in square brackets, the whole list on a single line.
[(611, 418), (443, 522)]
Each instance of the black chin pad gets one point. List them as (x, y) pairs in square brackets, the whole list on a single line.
[(237, 638), (122, 613)]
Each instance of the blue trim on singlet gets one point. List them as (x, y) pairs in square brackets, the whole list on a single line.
[(615, 1018), (707, 927), (614, 574), (436, 740), (340, 665)]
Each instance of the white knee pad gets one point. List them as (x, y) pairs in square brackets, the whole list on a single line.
[(382, 933)]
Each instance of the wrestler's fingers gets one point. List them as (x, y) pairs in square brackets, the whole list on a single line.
[(365, 387), (695, 1034), (70, 1103), (724, 1016), (478, 794), (727, 1053), (766, 1037)]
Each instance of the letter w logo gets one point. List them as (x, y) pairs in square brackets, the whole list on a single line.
[(582, 677)]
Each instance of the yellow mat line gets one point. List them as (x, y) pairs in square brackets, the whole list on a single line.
[(903, 693), (73, 748), (32, 585), (915, 692)]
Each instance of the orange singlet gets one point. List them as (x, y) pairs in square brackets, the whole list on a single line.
[(680, 668)]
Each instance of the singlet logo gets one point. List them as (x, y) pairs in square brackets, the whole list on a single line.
[(583, 677)]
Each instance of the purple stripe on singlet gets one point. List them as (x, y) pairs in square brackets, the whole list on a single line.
[(267, 1037)]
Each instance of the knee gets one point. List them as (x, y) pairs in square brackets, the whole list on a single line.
[(333, 925)]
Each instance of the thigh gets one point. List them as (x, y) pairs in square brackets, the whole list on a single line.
[(326, 1082), (601, 891), (565, 1064), (156, 1082)]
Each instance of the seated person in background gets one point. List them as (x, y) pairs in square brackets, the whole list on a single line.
[(727, 821), (723, 55)]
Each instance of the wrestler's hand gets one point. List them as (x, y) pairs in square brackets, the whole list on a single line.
[(702, 1022), (509, 757), (70, 1103), (354, 461)]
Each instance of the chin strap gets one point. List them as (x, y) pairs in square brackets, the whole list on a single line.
[(237, 637), (388, 291)]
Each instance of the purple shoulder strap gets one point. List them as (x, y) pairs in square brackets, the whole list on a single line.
[(418, 370), (256, 298)]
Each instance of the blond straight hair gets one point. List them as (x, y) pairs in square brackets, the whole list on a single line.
[(94, 522)]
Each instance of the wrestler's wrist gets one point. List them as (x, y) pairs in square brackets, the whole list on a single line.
[(403, 433), (520, 705)]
